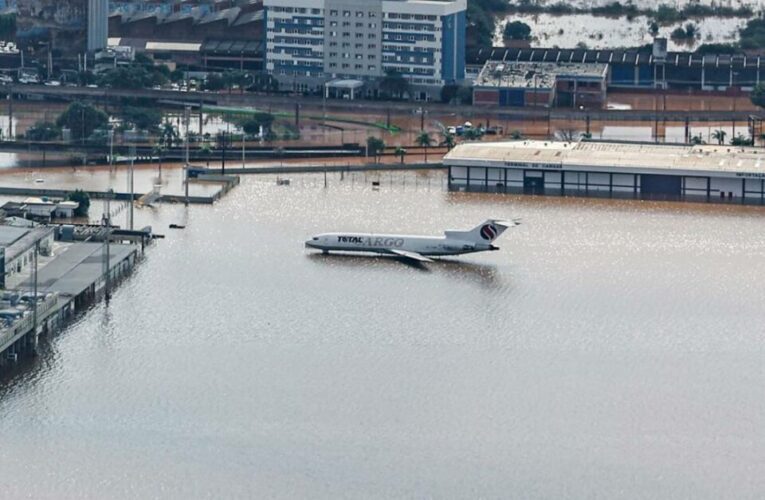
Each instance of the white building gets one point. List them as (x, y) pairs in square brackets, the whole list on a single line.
[(310, 42), (17, 248), (611, 169)]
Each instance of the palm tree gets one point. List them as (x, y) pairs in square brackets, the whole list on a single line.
[(168, 135), (449, 141), (424, 141), (400, 152), (719, 136)]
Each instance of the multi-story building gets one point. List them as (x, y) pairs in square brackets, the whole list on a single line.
[(311, 44)]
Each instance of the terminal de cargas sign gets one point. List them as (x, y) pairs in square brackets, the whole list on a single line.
[(518, 164)]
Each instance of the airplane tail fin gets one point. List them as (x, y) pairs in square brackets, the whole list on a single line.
[(486, 232)]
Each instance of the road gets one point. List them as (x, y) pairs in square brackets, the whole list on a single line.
[(365, 106)]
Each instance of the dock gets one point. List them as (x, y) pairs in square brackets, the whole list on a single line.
[(71, 278), (227, 183)]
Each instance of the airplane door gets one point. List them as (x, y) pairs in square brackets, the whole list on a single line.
[(533, 182)]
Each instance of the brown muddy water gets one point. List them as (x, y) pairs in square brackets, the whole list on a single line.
[(610, 349)]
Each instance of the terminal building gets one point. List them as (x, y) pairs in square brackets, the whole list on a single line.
[(547, 84), (610, 169), (311, 43)]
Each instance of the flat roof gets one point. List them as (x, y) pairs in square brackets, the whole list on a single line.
[(26, 241), (721, 160), (10, 234), (541, 75), (174, 46), (76, 266)]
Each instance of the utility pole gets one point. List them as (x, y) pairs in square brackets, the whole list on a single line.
[(222, 142), (111, 149), (10, 115), (186, 117), (243, 145), (34, 309), (131, 185), (107, 240)]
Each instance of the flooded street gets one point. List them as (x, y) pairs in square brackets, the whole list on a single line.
[(610, 349), (599, 32)]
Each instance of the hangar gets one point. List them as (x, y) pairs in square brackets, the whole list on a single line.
[(727, 174)]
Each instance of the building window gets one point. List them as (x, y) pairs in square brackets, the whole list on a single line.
[(346, 13)]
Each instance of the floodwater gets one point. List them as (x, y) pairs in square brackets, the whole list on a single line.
[(599, 32), (611, 349)]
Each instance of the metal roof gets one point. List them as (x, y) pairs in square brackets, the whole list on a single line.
[(613, 56), (9, 234), (235, 47), (76, 266)]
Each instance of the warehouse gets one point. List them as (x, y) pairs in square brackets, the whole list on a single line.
[(611, 169), (544, 84)]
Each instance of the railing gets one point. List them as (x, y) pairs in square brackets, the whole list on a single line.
[(25, 325)]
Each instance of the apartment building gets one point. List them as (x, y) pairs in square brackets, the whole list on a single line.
[(312, 44)]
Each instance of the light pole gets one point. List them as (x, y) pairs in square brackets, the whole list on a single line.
[(111, 148), (733, 76), (131, 185), (186, 116)]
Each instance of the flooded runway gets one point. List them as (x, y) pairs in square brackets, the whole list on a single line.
[(610, 349)]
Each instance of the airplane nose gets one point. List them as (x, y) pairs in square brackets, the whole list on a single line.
[(309, 244)]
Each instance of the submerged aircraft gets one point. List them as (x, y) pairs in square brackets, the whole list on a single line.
[(417, 248)]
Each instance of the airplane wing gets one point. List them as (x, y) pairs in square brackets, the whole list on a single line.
[(411, 255)]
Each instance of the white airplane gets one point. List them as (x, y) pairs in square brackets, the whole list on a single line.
[(418, 248)]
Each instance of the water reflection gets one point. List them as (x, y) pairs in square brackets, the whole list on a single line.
[(470, 272)]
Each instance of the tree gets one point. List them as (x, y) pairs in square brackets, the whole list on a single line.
[(719, 136), (263, 82), (394, 85), (177, 75), (448, 140), (653, 28), (252, 124), (465, 95), (168, 135), (375, 146), (449, 93), (473, 134), (697, 139), (517, 30), (758, 95), (134, 76), (400, 152), (424, 141), (82, 120), (568, 135), (516, 135), (142, 118), (214, 82), (43, 131), (740, 140), (81, 197)]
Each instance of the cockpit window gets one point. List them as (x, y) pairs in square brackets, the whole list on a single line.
[(315, 238)]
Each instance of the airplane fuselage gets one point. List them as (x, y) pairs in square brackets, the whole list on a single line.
[(389, 243)]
